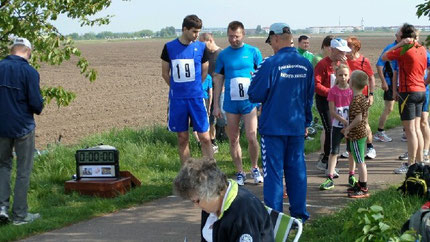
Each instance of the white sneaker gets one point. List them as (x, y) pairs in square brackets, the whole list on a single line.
[(321, 166), (240, 178), (28, 219), (404, 156), (371, 153), (402, 169), (404, 138), (215, 148), (4, 216), (382, 136), (345, 154), (335, 174), (255, 173)]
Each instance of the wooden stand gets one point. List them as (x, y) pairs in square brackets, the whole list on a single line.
[(103, 187)]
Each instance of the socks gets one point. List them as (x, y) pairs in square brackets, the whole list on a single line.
[(351, 173)]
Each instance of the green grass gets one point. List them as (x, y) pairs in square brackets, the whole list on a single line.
[(397, 210), (151, 155)]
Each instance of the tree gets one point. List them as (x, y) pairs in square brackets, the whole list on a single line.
[(258, 29), (33, 19), (423, 9)]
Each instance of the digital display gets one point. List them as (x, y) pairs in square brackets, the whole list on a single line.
[(97, 155)]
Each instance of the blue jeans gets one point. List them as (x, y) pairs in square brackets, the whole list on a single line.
[(24, 148), (283, 156)]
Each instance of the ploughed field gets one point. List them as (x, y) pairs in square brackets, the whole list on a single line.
[(129, 90)]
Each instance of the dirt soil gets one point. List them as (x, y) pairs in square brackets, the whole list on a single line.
[(129, 90)]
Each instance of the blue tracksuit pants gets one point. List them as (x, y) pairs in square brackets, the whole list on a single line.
[(283, 156)]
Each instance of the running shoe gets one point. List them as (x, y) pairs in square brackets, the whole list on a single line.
[(382, 136), (426, 159), (335, 174), (402, 169), (361, 193), (28, 219), (4, 216), (255, 173), (371, 153), (404, 156), (215, 148), (327, 184), (344, 154), (404, 138), (352, 181), (353, 189), (240, 178), (322, 163)]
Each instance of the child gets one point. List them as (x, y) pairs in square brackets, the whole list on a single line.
[(339, 98), (356, 132)]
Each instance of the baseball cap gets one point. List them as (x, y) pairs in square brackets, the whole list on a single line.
[(278, 28), (340, 44), (21, 41)]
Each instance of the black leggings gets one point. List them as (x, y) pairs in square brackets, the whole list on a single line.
[(324, 111)]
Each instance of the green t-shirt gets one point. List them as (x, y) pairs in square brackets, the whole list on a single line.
[(308, 55), (316, 59)]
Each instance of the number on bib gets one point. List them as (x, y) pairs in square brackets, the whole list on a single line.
[(239, 88), (344, 112), (183, 70)]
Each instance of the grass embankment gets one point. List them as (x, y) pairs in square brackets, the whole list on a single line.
[(151, 155)]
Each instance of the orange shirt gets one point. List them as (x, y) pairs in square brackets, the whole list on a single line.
[(362, 64), (412, 65)]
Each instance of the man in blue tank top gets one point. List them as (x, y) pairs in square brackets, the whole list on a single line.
[(184, 65), (233, 68)]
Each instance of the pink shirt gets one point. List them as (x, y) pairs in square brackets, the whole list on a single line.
[(341, 98)]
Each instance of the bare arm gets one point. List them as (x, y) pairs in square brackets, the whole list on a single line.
[(210, 94), (371, 89), (165, 71), (205, 67), (394, 83), (384, 84), (218, 81)]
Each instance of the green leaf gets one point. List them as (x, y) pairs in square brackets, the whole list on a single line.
[(383, 226), (366, 229), (406, 48), (377, 216), (376, 208), (407, 237)]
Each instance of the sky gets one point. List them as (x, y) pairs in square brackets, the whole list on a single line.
[(135, 15)]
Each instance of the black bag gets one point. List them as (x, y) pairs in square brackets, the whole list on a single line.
[(417, 181), (420, 222)]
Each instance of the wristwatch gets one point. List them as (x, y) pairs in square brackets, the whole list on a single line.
[(370, 93)]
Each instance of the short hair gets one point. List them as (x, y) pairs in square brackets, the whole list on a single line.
[(354, 42), (326, 41), (200, 178), (408, 31), (303, 37), (19, 48), (359, 79), (234, 25), (192, 21), (206, 36)]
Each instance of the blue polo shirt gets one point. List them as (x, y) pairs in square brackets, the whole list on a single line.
[(20, 97), (382, 63)]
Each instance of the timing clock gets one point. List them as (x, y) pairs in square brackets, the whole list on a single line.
[(100, 161)]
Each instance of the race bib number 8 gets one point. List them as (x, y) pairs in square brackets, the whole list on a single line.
[(183, 70), (239, 88)]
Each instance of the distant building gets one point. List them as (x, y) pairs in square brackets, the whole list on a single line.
[(334, 29)]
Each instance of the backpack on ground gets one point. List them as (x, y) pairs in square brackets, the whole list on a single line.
[(420, 222), (417, 181)]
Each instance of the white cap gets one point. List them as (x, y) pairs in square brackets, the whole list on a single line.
[(340, 44), (21, 41)]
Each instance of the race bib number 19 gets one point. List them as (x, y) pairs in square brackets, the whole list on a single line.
[(239, 88), (183, 70)]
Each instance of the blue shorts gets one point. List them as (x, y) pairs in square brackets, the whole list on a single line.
[(182, 110), (239, 107), (426, 102)]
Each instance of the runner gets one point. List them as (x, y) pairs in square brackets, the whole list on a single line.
[(184, 65), (233, 68)]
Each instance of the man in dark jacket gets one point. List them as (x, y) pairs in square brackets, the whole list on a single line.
[(20, 99)]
